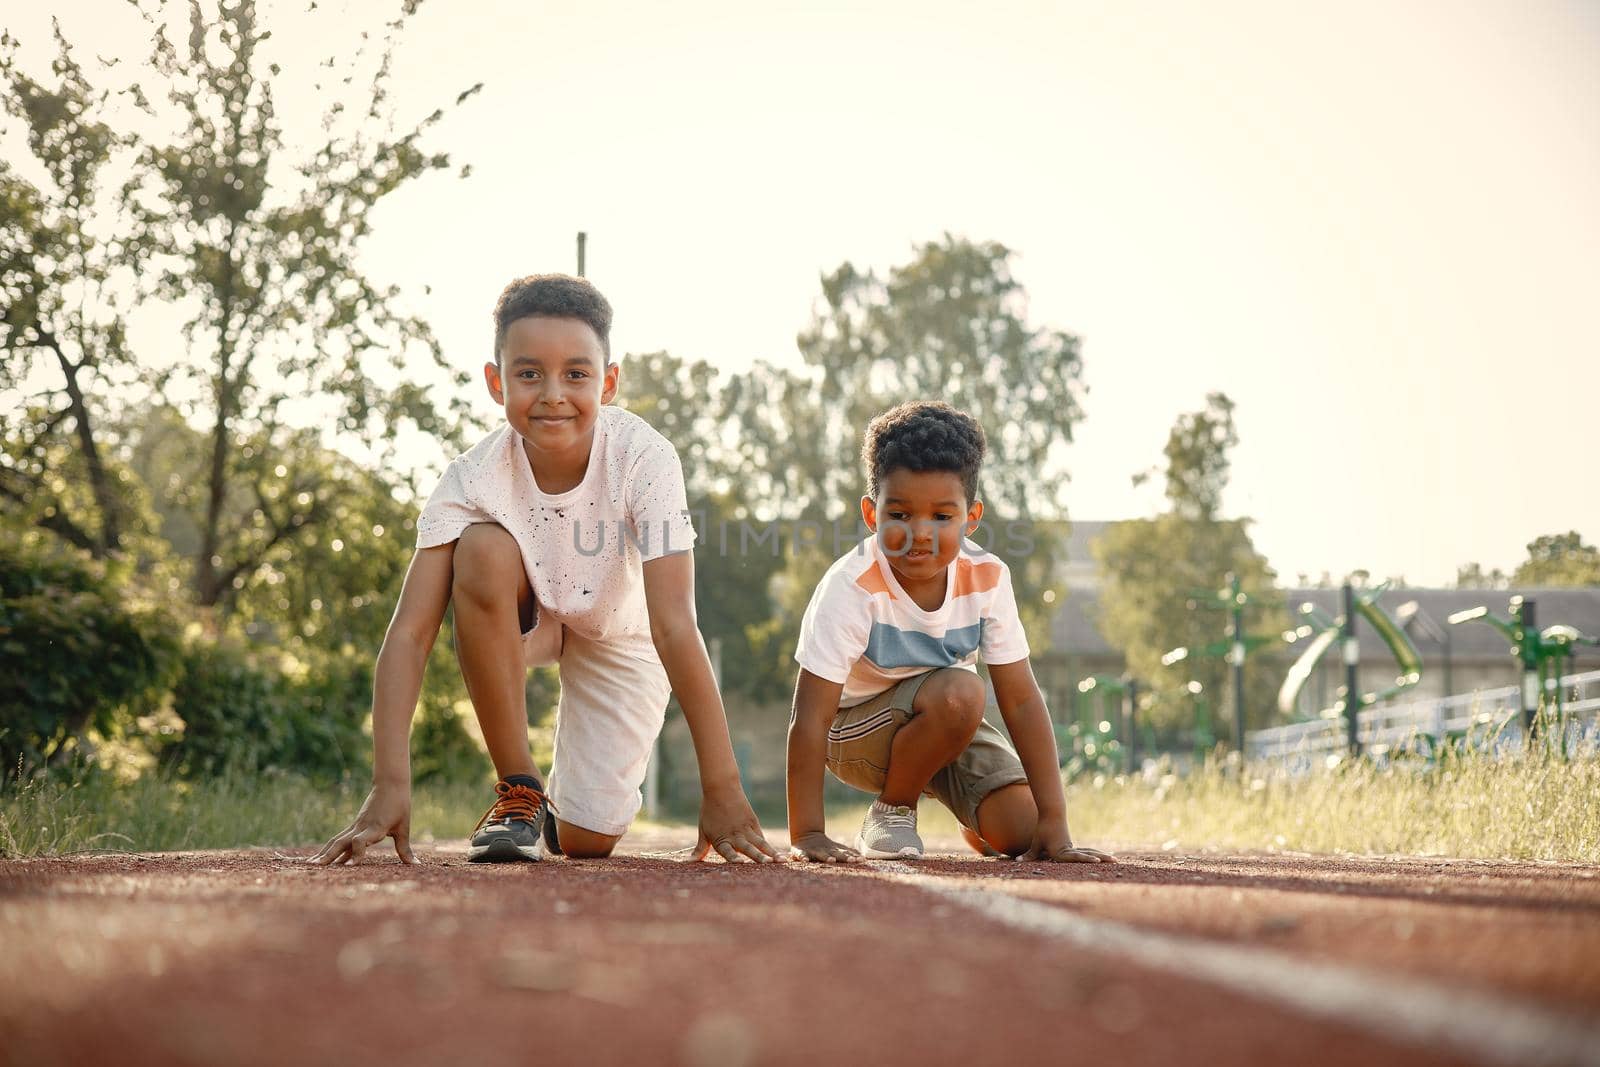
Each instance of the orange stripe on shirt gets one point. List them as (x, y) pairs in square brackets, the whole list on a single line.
[(975, 577), (872, 581)]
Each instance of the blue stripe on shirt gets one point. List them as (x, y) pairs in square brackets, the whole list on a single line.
[(890, 647)]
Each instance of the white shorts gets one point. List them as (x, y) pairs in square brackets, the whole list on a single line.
[(611, 710)]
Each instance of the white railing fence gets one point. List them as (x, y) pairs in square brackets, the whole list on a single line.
[(1489, 719)]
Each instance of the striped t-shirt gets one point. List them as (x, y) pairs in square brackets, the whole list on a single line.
[(865, 631)]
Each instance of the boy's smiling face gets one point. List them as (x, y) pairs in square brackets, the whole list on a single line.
[(920, 518), (552, 380)]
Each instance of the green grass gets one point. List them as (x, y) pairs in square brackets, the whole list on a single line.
[(157, 813), (1539, 808)]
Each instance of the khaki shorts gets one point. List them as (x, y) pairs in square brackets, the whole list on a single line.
[(860, 739)]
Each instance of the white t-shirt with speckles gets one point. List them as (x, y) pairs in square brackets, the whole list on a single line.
[(585, 549)]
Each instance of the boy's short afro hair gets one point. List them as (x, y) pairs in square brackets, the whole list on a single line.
[(558, 296), (924, 435)]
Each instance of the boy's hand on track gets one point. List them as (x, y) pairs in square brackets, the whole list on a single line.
[(1052, 844), (729, 825), (818, 847), (386, 813)]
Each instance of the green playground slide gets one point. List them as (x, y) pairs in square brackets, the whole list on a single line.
[(1300, 673), (1405, 653)]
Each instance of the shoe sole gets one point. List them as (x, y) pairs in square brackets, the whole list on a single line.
[(505, 852), (907, 853)]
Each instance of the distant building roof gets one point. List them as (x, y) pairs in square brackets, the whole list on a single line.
[(1078, 567), (1074, 630)]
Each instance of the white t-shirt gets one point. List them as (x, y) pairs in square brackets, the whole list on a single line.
[(862, 629), (585, 549)]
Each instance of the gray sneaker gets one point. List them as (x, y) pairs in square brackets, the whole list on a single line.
[(889, 832), (512, 830)]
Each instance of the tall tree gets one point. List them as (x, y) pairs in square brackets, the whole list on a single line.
[(1559, 560), (264, 247), (950, 324), (1158, 573), (1197, 459), (682, 399), (63, 299)]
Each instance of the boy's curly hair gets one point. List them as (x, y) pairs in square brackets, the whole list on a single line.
[(557, 295), (924, 435)]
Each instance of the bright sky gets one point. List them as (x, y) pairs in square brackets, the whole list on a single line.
[(1375, 225)]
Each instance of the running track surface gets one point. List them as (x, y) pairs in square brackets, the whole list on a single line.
[(253, 957)]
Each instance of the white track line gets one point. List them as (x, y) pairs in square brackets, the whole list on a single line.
[(1397, 1009)]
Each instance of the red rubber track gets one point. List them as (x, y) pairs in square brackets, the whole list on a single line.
[(252, 957)]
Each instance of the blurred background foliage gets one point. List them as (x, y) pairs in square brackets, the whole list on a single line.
[(193, 570), (211, 579)]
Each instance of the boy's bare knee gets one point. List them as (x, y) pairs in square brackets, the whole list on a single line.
[(483, 556), (954, 698), (1007, 819), (580, 844)]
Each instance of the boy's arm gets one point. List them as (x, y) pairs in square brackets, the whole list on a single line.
[(816, 702), (396, 681), (1023, 708), (727, 822)]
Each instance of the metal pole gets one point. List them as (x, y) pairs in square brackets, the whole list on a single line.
[(1352, 680), (1236, 657), (1131, 720), (1530, 673), (1449, 685), (583, 239)]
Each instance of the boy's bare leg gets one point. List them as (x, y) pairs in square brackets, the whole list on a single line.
[(491, 610), (1006, 820), (948, 710), (581, 844)]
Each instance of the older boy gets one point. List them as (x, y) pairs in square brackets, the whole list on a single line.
[(562, 537), (888, 697)]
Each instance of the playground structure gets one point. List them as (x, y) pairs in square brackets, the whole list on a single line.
[(1105, 729), (1489, 719), (1323, 632), (1103, 735), (1235, 646), (1494, 719), (1543, 654)]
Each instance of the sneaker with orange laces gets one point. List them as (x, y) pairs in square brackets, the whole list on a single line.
[(512, 830)]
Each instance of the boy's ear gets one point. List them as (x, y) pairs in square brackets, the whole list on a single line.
[(869, 513), (491, 376), (610, 383), (974, 515)]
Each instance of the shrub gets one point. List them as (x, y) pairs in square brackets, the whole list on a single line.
[(240, 715), (74, 656)]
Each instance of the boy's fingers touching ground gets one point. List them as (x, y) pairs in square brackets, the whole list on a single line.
[(1096, 855), (757, 848), (1082, 855), (335, 847)]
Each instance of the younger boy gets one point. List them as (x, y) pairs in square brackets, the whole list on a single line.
[(563, 537), (888, 697)]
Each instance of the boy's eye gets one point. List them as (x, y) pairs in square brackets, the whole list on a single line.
[(898, 516), (577, 375), (943, 518), (528, 375)]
